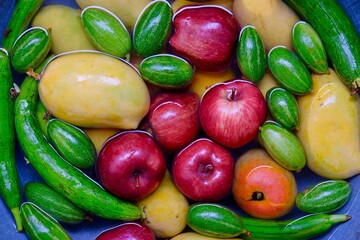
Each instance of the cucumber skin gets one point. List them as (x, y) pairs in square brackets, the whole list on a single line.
[(22, 15), (337, 33), (9, 178), (60, 175), (40, 225), (324, 197), (42, 117)]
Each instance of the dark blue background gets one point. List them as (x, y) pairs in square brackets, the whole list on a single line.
[(349, 230)]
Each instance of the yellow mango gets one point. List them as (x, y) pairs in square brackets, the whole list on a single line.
[(273, 20), (65, 27), (267, 82), (330, 128), (94, 90), (165, 209), (99, 135), (224, 3), (197, 236)]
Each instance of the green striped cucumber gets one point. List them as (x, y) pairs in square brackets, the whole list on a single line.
[(283, 107), (19, 21), (338, 34), (9, 177), (214, 220), (289, 71), (283, 146), (166, 71), (152, 28), (59, 174), (40, 225), (302, 228), (309, 47), (53, 203), (72, 143), (251, 54), (324, 197), (30, 49), (106, 31)]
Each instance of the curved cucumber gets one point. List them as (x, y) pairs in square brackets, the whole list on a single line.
[(40, 225), (324, 197), (59, 174), (9, 177)]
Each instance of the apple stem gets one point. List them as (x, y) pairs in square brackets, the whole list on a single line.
[(137, 180), (232, 94)]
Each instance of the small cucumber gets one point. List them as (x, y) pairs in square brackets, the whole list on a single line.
[(283, 107), (251, 55), (289, 71), (152, 28), (30, 49), (40, 225), (166, 71), (42, 115), (53, 203), (283, 146), (324, 197), (214, 220), (106, 31), (309, 47), (22, 15), (72, 143)]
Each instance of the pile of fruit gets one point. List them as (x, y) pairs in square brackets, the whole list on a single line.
[(156, 116)]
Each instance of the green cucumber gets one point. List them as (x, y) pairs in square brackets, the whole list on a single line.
[(106, 31), (302, 228), (214, 220), (289, 71), (9, 177), (152, 28), (251, 54), (309, 47), (283, 146), (166, 71), (40, 225), (72, 143), (338, 34), (59, 174), (53, 203), (283, 107), (22, 15), (324, 197), (30, 49), (42, 115)]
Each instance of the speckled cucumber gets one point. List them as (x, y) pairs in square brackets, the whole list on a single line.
[(30, 49), (53, 203), (214, 220), (166, 71), (283, 146), (250, 54), (106, 31), (20, 19), (324, 197), (309, 47), (9, 177), (40, 225), (283, 107), (152, 28), (289, 71), (72, 143)]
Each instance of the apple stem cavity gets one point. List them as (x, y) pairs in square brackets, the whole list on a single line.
[(232, 94), (207, 168)]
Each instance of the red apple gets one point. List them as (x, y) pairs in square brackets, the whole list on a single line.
[(128, 231), (232, 112), (174, 119), (203, 171), (205, 35), (131, 165)]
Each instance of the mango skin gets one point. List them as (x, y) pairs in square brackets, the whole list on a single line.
[(329, 127), (91, 89)]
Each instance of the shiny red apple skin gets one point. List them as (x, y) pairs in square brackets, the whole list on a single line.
[(131, 165), (174, 119), (205, 36), (203, 171), (128, 231), (231, 112)]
